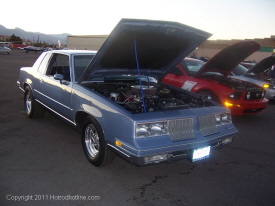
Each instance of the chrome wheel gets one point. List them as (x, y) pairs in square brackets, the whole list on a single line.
[(33, 109), (92, 141), (95, 148)]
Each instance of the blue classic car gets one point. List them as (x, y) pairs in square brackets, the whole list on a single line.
[(115, 98)]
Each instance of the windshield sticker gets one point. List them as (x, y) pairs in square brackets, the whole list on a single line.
[(188, 85)]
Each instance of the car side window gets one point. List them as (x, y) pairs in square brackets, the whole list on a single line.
[(38, 62), (44, 63), (59, 64), (176, 70)]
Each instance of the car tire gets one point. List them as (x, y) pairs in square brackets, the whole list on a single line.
[(33, 109), (94, 145), (209, 95)]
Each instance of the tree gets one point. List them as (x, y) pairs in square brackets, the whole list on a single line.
[(16, 39)]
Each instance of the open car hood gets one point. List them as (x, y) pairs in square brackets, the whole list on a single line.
[(227, 59), (262, 65), (152, 46)]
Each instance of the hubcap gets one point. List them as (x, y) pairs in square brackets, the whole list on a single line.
[(92, 141)]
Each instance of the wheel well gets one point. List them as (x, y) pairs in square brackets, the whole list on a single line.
[(80, 119), (205, 90), (25, 85), (208, 90)]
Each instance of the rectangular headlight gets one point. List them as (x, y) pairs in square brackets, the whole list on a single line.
[(144, 130)]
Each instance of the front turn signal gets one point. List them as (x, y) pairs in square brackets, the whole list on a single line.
[(266, 86)]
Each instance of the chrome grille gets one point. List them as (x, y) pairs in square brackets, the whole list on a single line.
[(208, 125), (181, 129), (255, 95)]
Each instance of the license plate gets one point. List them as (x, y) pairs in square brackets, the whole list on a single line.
[(200, 153)]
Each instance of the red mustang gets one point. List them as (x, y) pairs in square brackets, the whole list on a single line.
[(210, 79)]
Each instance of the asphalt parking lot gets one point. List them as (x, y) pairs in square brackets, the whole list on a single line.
[(42, 162)]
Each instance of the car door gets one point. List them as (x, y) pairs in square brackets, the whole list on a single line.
[(56, 94)]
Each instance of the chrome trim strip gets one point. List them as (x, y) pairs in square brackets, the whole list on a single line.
[(206, 140), (156, 152), (53, 100), (56, 112), (21, 89), (118, 150)]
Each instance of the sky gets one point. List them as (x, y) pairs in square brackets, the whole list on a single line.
[(225, 19)]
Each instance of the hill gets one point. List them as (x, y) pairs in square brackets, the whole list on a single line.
[(35, 36)]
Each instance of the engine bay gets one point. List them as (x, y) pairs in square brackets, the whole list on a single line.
[(152, 97), (232, 83)]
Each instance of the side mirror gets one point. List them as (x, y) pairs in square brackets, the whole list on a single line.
[(59, 77)]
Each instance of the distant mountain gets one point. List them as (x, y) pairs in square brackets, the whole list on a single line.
[(35, 36)]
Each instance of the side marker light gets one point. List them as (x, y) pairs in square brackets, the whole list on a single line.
[(118, 143)]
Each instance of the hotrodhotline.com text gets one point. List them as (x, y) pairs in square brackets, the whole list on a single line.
[(25, 198)]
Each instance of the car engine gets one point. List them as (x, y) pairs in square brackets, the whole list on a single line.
[(154, 97)]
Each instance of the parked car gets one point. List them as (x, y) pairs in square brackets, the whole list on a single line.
[(34, 49), (210, 79), (116, 104), (4, 49), (258, 74), (248, 64)]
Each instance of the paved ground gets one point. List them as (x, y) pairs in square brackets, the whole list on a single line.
[(42, 162)]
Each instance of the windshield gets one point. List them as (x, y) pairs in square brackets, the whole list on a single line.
[(80, 64), (239, 70), (192, 66)]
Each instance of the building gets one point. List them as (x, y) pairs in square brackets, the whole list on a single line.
[(208, 49), (87, 42)]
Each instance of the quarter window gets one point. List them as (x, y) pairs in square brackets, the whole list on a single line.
[(42, 67)]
